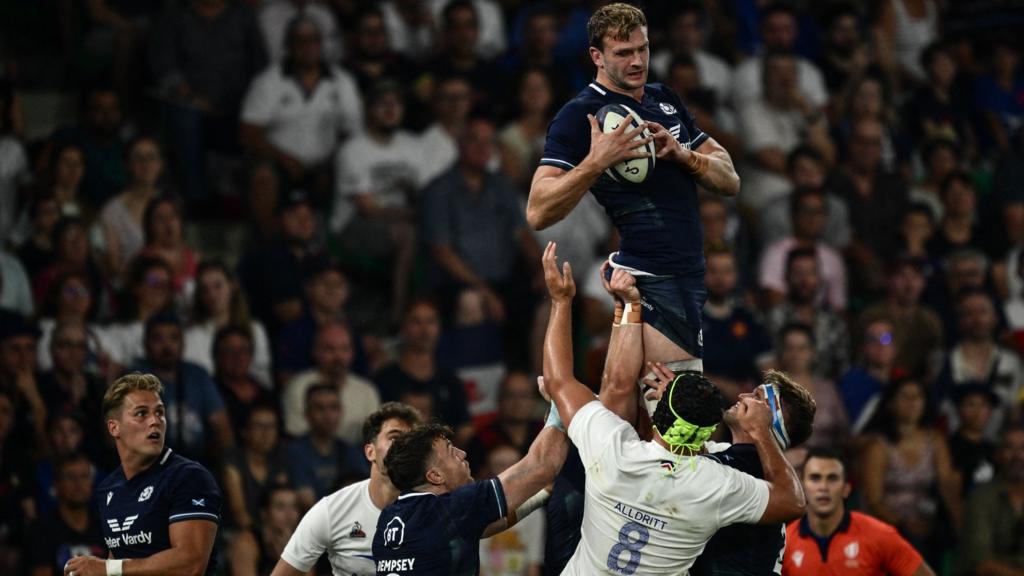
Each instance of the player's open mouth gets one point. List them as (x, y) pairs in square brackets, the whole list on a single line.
[(153, 436)]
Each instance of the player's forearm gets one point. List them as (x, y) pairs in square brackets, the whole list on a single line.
[(719, 176), (568, 394), (553, 197), (621, 369), (786, 494)]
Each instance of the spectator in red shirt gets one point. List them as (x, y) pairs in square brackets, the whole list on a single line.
[(832, 541)]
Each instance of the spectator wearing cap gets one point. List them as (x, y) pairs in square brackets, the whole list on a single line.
[(379, 176), (861, 387), (271, 273), (977, 357), (15, 290), (197, 423), (297, 111), (333, 352), (18, 338), (916, 329), (973, 454)]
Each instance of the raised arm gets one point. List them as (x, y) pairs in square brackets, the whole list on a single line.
[(537, 470), (554, 192), (785, 495), (567, 393), (625, 348), (709, 164)]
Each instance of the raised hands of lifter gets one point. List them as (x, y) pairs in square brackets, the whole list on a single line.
[(560, 284)]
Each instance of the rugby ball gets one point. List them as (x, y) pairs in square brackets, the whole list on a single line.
[(635, 171)]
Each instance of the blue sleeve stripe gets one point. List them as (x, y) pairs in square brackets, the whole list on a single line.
[(698, 140), (499, 496), (556, 162), (191, 515)]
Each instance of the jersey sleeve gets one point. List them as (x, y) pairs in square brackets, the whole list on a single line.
[(899, 558), (568, 140), (475, 506), (743, 498), (594, 428), (194, 496), (258, 106), (309, 541)]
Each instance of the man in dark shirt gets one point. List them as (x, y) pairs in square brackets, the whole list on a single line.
[(72, 529)]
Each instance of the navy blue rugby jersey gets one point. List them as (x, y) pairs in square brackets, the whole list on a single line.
[(657, 218), (761, 545), (423, 534), (137, 514)]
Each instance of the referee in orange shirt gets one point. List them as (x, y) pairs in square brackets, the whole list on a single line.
[(832, 541)]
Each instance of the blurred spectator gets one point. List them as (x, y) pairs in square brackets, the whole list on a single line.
[(876, 198), (973, 454), (65, 437), (998, 96), (219, 302), (452, 102), (989, 544), (917, 228), (772, 123), (372, 58), (869, 97), (845, 53), (416, 370), (15, 485), (379, 175), (515, 424), (18, 338), (101, 136), (257, 550), (536, 51), (14, 168), (203, 54), (15, 290), (232, 349), (862, 386), (277, 16), (522, 140), (297, 111), (723, 226), (197, 424), (263, 193), (318, 459), (735, 342), (908, 470), (1013, 306), (60, 185), (271, 273), (686, 38), (959, 227), (779, 33), (121, 219), (808, 214), (940, 109), (490, 41), (254, 468), (162, 226), (475, 229), (904, 29), (36, 250), (410, 26), (916, 330), (964, 269), (978, 358), (69, 387), (805, 169), (72, 254), (148, 291), (939, 157), (796, 357), (72, 300), (332, 353), (72, 529), (519, 550), (713, 116), (458, 51)]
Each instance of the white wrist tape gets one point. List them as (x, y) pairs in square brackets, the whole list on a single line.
[(531, 504), (115, 568)]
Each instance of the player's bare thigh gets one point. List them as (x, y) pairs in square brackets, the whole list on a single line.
[(659, 348)]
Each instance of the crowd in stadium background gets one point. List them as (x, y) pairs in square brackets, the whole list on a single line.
[(334, 193)]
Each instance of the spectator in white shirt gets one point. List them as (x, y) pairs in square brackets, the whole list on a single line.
[(411, 29), (453, 102), (296, 112), (686, 38)]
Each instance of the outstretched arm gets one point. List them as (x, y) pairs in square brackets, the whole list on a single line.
[(568, 394), (625, 348)]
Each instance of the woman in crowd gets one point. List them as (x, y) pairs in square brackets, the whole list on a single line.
[(161, 224)]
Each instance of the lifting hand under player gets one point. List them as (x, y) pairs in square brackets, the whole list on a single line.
[(561, 286)]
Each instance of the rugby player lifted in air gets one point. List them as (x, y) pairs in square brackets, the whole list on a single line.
[(662, 243), (160, 510), (650, 507)]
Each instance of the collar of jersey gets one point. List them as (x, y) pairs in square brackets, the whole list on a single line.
[(594, 85), (844, 525), (410, 494), (164, 457)]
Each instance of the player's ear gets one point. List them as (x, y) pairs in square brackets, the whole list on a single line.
[(847, 488), (370, 452), (596, 57), (113, 427), (435, 476)]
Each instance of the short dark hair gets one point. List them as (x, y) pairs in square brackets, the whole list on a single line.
[(229, 331), (824, 454), (799, 327), (151, 207), (68, 460), (165, 317), (802, 194), (451, 7), (317, 389), (797, 403), (797, 253), (696, 400), (407, 461), (953, 177), (933, 51), (778, 8), (803, 151), (374, 423)]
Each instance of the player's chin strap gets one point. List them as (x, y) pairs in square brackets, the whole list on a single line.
[(684, 438), (778, 420)]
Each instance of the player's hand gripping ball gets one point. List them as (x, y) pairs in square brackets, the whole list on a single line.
[(635, 171)]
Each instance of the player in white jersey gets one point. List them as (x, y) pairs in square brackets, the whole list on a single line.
[(343, 524), (650, 507)]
